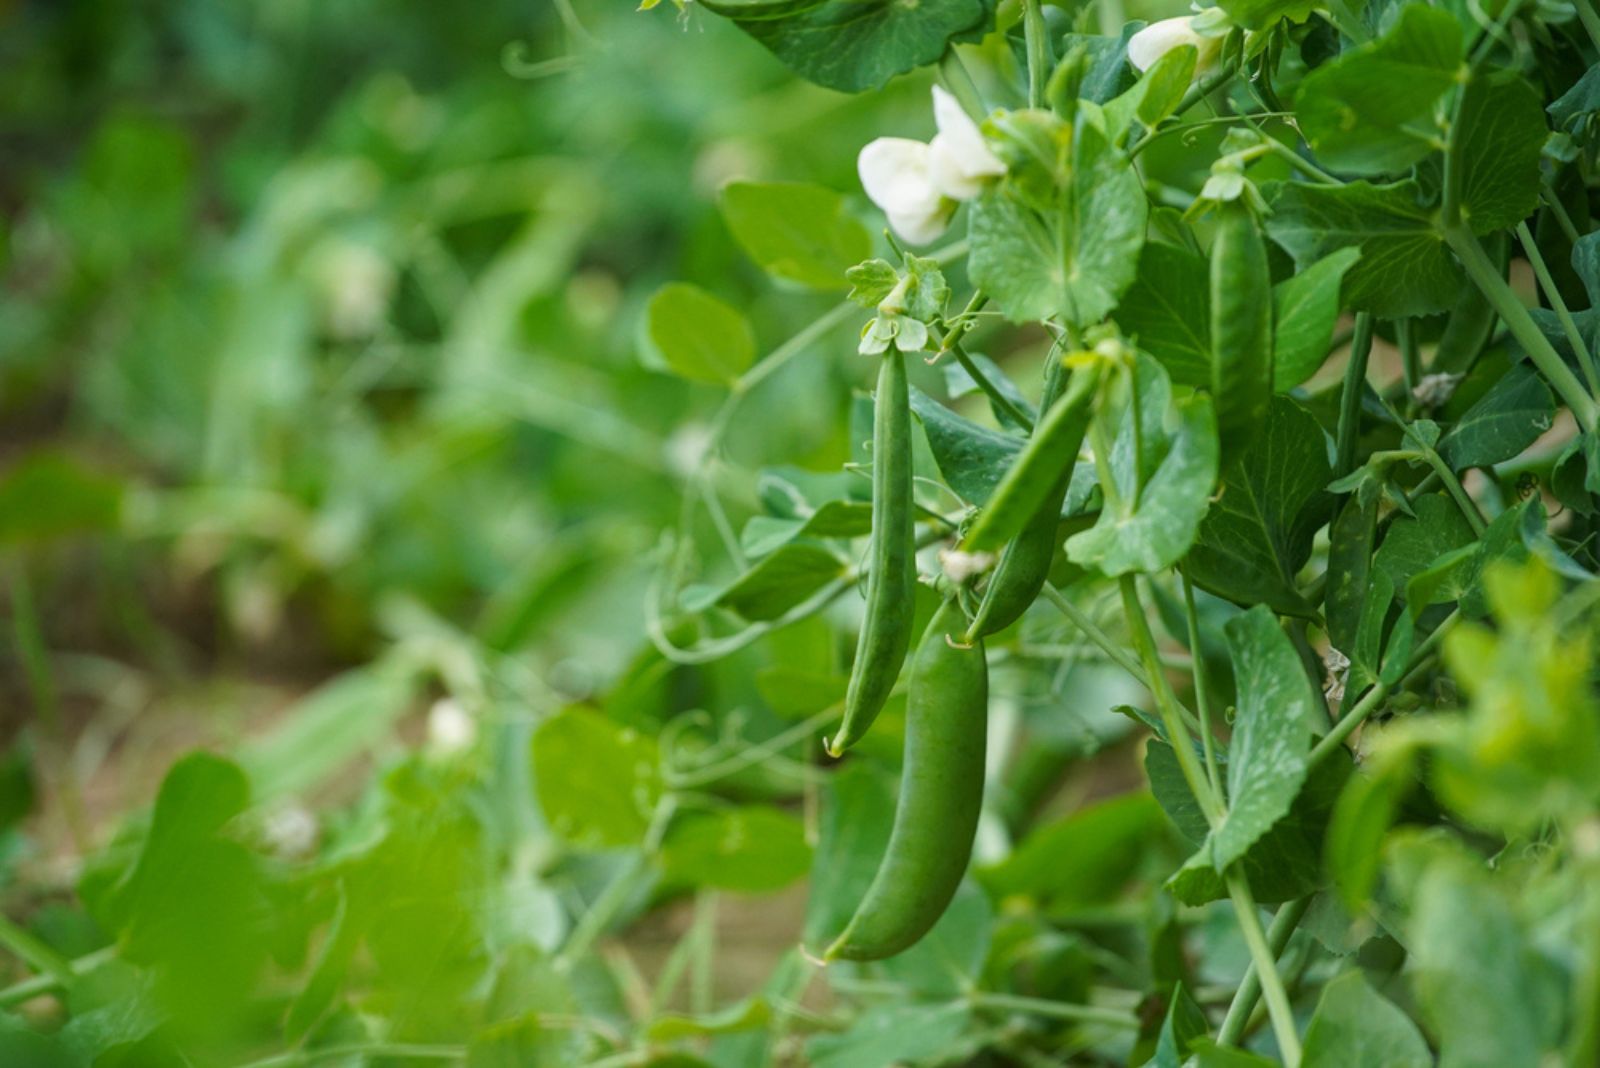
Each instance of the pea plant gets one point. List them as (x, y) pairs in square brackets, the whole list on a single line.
[(1289, 436)]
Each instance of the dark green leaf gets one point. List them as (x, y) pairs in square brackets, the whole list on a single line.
[(1166, 313), (971, 458), (1511, 416), (1496, 148), (775, 583)]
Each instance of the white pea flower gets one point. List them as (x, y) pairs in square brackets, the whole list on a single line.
[(918, 185), (1157, 39), (451, 728)]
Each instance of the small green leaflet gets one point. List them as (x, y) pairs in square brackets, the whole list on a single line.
[(1507, 419), (852, 45), (596, 781), (834, 519), (1162, 472), (1257, 535), (1404, 267), (775, 584), (797, 232), (697, 335), (1262, 14), (1372, 110), (1496, 148), (1357, 1027), (1185, 1022), (1077, 258), (1411, 545), (1306, 308), (1272, 733)]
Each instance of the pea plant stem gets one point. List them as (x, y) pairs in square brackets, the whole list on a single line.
[(1355, 381), (1057, 1010), (1037, 40), (1558, 211), (1521, 324), (1569, 327), (1410, 355), (1266, 968), (1284, 922), (1202, 704), (34, 953), (1590, 20), (985, 383)]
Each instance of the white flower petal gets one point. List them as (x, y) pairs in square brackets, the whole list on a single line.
[(947, 174), (894, 172), (962, 141), (1157, 39), (919, 228)]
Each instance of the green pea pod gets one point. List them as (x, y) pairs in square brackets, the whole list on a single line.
[(1241, 327), (1039, 468), (941, 793), (1025, 562), (892, 582)]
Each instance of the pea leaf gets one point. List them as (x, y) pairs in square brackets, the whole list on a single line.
[(1271, 735), (1357, 1027), (1504, 421), (1411, 545), (1257, 534), (1166, 312), (1185, 1022), (1262, 14), (971, 458), (1371, 111), (49, 495), (752, 849), (853, 45), (1076, 257), (833, 519), (774, 584), (797, 232), (597, 782), (1306, 308), (698, 336), (1082, 859), (893, 1033), (1162, 460), (1404, 267), (1496, 147)]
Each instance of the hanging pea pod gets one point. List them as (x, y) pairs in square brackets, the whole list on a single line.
[(941, 794), (1040, 467), (891, 583), (1025, 561), (1241, 327)]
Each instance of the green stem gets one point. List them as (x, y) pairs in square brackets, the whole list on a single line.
[(1559, 210), (622, 886), (1202, 705), (1458, 492), (1038, 45), (990, 390), (1167, 706), (1591, 21), (1410, 356), (34, 953), (957, 79), (1266, 966), (1374, 697), (50, 982), (1299, 162), (1288, 917), (1541, 271), (1522, 327), (1355, 381), (1057, 1010)]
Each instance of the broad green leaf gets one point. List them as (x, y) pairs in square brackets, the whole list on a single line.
[(699, 336), (797, 232), (893, 1033), (1404, 267), (853, 45), (1162, 460), (1207, 1054), (1262, 14), (775, 583), (1157, 92), (1496, 149), (833, 519), (1081, 859), (1371, 111), (48, 495), (971, 458), (1076, 258), (1306, 308), (1165, 311), (1411, 545), (751, 849), (1257, 535), (1511, 416), (1444, 581), (1470, 972), (1271, 732), (597, 782), (1357, 1027)]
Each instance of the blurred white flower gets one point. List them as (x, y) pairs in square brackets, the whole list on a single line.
[(918, 185), (1157, 39), (451, 728), (291, 831)]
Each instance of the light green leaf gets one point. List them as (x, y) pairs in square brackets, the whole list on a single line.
[(833, 519), (1162, 460), (1157, 92), (1511, 416), (1185, 1022), (1081, 859), (853, 45), (1371, 111), (1496, 148), (797, 232), (1073, 261), (596, 781), (747, 1014), (1357, 1027), (1306, 308), (1262, 14), (751, 849), (1257, 535), (1167, 313), (1404, 267), (774, 584), (697, 335), (893, 1033)]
